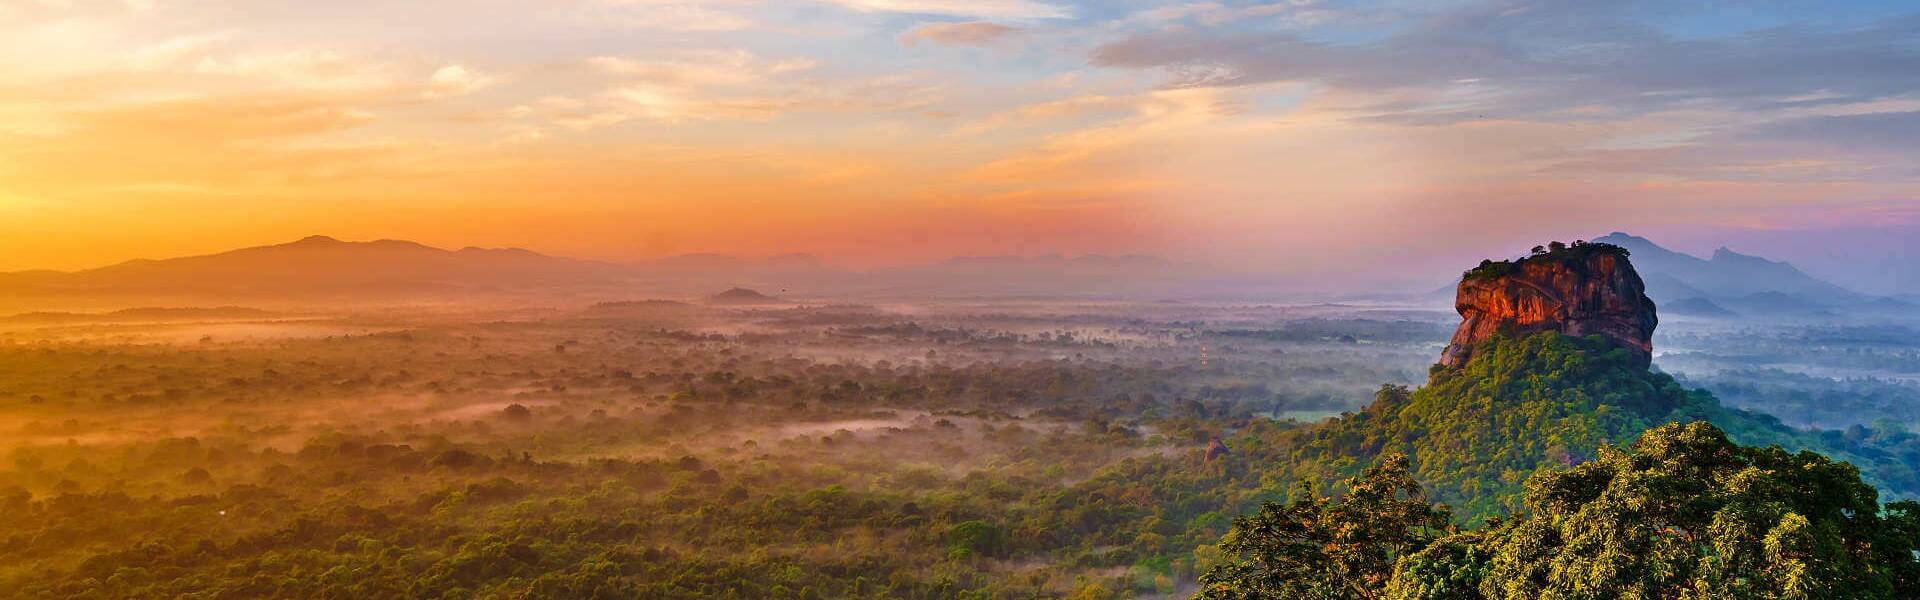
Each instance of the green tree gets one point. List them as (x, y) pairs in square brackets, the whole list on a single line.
[(1319, 548), (1684, 513), (975, 538)]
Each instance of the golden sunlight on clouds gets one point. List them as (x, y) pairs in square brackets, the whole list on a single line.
[(870, 131)]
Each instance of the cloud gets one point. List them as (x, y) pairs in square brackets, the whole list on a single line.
[(718, 84), (1295, 13), (1880, 131), (703, 67), (972, 33), (695, 16), (1001, 9), (259, 145), (670, 106), (1156, 117), (457, 80), (1537, 60), (691, 85), (1053, 109), (308, 68)]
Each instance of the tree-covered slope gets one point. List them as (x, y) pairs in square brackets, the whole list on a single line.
[(1682, 513), (1544, 401)]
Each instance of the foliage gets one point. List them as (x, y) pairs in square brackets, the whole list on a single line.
[(1685, 513), (473, 461), (1319, 548), (1543, 401), (1520, 406), (975, 538), (808, 454), (1555, 252)]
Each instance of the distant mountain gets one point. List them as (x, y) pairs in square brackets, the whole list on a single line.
[(322, 269), (1881, 259), (317, 265), (1779, 303), (1731, 280), (156, 314), (743, 297), (1696, 306)]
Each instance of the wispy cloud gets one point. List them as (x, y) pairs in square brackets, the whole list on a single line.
[(1000, 9), (703, 67), (694, 16), (1540, 59), (457, 80), (1878, 131), (971, 33), (699, 85)]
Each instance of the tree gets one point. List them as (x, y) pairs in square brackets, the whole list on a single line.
[(1320, 548), (1684, 513), (975, 538)]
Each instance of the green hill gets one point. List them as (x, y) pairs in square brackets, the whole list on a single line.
[(1548, 401), (1573, 473)]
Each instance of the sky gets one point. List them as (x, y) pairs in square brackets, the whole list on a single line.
[(1303, 138)]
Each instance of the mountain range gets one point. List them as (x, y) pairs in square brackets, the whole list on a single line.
[(319, 268), (1876, 260), (1730, 282), (316, 266)]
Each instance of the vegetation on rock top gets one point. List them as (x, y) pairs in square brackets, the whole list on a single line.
[(1555, 252)]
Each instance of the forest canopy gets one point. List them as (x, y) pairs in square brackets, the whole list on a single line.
[(1682, 513)]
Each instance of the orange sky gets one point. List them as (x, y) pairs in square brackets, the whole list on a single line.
[(872, 132)]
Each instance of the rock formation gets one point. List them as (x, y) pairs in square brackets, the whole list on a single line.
[(1580, 290)]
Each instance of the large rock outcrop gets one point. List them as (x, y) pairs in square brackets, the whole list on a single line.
[(1579, 290)]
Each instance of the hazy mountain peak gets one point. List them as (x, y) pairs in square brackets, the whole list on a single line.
[(1643, 248), (1726, 254), (743, 296), (330, 242), (1727, 279), (1621, 236), (500, 251)]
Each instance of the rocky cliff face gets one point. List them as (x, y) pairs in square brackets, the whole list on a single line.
[(1587, 289)]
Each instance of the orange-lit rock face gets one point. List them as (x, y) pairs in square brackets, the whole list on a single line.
[(1599, 294)]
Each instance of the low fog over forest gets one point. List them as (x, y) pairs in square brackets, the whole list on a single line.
[(742, 444)]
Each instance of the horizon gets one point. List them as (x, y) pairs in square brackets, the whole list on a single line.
[(1414, 285), (1342, 142)]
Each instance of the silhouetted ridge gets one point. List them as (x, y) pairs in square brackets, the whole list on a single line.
[(743, 297)]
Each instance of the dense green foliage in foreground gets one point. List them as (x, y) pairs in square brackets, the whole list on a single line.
[(1526, 440), (1684, 513), (1316, 547)]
